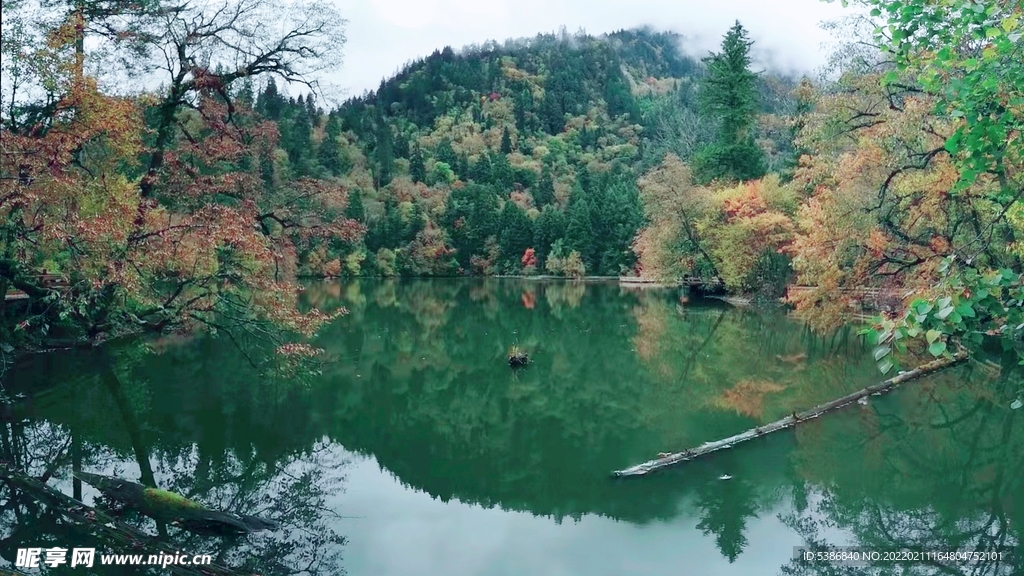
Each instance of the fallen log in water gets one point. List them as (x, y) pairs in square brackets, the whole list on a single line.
[(669, 459), (110, 530)]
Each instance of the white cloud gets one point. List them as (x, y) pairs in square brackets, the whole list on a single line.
[(385, 34), (406, 13)]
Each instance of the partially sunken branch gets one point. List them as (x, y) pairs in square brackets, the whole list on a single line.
[(789, 421)]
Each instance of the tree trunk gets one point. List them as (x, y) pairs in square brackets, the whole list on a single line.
[(112, 531), (791, 420)]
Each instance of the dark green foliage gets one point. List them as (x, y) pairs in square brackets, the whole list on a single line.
[(270, 103), (728, 92), (394, 229), (506, 141), (445, 153), (329, 154), (417, 168), (384, 155), (549, 227), (579, 234), (471, 217), (502, 176), (355, 209), (544, 191), (556, 78), (739, 161), (516, 235), (297, 136)]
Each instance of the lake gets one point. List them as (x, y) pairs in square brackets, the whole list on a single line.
[(411, 448)]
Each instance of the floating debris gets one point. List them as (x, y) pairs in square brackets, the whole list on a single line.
[(517, 357)]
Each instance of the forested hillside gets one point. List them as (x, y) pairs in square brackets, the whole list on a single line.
[(520, 158), (201, 199)]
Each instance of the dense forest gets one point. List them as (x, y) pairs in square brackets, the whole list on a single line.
[(200, 197), (519, 158)]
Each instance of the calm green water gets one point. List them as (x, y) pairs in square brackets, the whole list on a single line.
[(413, 449)]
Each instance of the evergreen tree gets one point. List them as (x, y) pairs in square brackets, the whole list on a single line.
[(298, 139), (523, 104), (506, 141), (270, 103), (355, 209), (401, 146), (516, 233), (329, 155), (548, 228), (502, 175), (311, 112), (481, 172), (445, 153), (417, 167), (384, 155), (579, 233), (728, 92), (544, 191)]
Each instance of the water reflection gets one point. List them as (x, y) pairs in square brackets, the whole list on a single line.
[(415, 378), (153, 419)]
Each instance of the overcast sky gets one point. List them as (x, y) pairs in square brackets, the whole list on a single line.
[(385, 34)]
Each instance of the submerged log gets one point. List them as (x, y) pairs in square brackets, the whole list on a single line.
[(104, 526), (173, 507), (665, 460)]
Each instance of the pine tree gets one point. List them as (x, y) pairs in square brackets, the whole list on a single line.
[(502, 174), (299, 141), (728, 92), (548, 228), (506, 141), (516, 233), (544, 191), (417, 167), (355, 209), (481, 172), (579, 233), (270, 103), (328, 154), (384, 154), (445, 153)]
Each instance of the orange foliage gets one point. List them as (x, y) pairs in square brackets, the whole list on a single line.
[(747, 397)]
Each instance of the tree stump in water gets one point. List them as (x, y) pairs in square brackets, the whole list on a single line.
[(517, 360)]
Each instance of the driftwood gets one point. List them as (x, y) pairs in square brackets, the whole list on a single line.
[(163, 505), (104, 526), (668, 459)]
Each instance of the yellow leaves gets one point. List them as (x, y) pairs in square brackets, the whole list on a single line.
[(742, 201), (748, 396), (877, 243), (1015, 217)]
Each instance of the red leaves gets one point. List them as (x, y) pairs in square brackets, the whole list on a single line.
[(529, 258)]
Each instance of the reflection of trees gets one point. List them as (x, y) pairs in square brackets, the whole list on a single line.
[(416, 375), (435, 403), (946, 473), (129, 410), (724, 510)]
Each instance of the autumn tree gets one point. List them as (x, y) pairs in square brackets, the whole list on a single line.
[(671, 245), (943, 163), (179, 229)]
